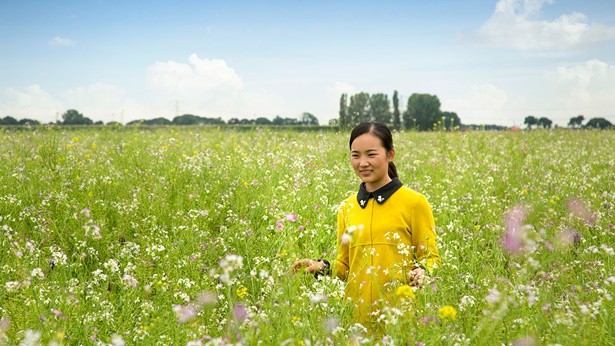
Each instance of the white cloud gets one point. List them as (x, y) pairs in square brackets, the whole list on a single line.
[(59, 41), (340, 88), (517, 24), (207, 88), (479, 105), (586, 88), (101, 101), (199, 75), (97, 101), (31, 102)]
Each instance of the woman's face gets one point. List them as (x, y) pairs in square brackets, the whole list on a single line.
[(370, 161)]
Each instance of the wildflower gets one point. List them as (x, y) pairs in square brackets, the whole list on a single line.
[(31, 338), (525, 341), (514, 236), (117, 340), (291, 217), (405, 292), (37, 273), (185, 313), (58, 313), (240, 313), (447, 312), (242, 292), (345, 239), (578, 208), (494, 296), (317, 298)]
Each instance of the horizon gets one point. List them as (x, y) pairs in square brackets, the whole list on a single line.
[(492, 63)]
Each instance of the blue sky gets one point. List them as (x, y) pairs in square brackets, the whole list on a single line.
[(490, 61)]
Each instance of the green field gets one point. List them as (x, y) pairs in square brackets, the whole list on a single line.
[(134, 235)]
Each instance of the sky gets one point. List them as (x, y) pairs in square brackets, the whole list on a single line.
[(491, 62)]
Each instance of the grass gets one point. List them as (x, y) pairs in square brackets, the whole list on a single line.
[(118, 234)]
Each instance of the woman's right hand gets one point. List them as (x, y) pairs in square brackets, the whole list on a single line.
[(308, 266)]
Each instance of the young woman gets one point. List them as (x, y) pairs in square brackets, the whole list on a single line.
[(385, 232)]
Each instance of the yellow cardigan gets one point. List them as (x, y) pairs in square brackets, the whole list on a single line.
[(378, 244)]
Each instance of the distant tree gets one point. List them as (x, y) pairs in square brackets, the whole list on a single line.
[(27, 121), (396, 114), (9, 120), (422, 111), (598, 123), (115, 123), (262, 121), (99, 122), (344, 120), (158, 121), (380, 108), (545, 123), (576, 121), (247, 122), (73, 117), (308, 119), (233, 121), (450, 120), (278, 120), (334, 122), (358, 110), (530, 120), (187, 119)]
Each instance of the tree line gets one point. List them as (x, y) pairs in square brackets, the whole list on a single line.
[(74, 117), (575, 122), (422, 111)]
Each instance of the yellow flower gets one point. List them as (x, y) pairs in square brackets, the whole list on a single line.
[(447, 313), (75, 139), (405, 291), (242, 292)]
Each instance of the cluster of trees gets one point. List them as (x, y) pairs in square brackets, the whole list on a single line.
[(599, 123), (543, 122), (73, 117), (575, 122), (422, 111), (9, 120)]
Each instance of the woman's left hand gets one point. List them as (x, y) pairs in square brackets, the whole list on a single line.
[(417, 277)]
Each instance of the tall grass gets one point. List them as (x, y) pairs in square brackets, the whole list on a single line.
[(186, 235)]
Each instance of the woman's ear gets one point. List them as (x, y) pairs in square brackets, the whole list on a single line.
[(391, 155)]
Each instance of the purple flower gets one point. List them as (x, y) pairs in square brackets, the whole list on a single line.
[(526, 341), (240, 313), (184, 313), (291, 217), (514, 230), (578, 208), (58, 313)]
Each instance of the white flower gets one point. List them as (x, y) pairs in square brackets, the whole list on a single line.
[(345, 238), (37, 273), (31, 338), (117, 340), (12, 286), (494, 296)]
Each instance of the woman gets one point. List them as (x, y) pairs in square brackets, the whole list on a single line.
[(385, 232)]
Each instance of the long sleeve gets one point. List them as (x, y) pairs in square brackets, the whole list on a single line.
[(424, 236), (341, 261)]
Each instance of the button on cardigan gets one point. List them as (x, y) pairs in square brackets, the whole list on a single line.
[(380, 242)]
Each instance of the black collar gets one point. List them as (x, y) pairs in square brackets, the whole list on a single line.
[(380, 195)]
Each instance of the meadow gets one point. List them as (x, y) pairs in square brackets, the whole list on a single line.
[(176, 235)]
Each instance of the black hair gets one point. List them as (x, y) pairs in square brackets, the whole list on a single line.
[(381, 131)]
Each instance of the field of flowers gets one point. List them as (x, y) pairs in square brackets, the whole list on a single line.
[(186, 236)]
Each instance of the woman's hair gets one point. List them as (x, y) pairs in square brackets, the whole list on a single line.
[(381, 131)]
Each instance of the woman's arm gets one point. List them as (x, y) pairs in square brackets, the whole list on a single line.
[(424, 236)]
